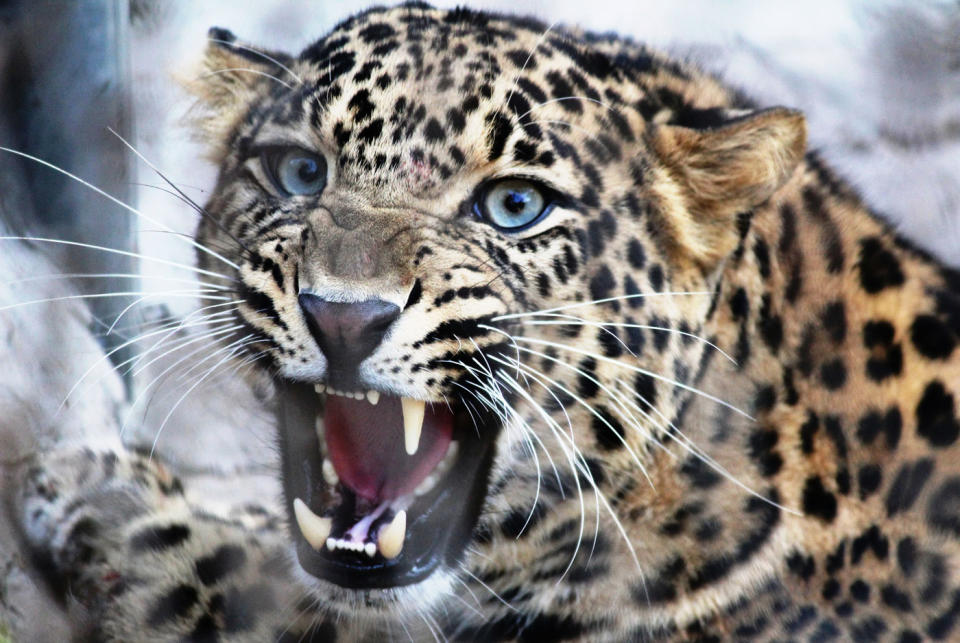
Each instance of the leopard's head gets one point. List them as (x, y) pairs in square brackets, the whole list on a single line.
[(476, 255)]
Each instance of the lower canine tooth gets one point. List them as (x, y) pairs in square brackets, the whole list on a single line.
[(413, 411), (428, 483), (390, 540), (314, 528)]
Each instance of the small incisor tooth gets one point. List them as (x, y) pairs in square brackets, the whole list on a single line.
[(373, 397), (413, 411), (314, 528), (390, 539)]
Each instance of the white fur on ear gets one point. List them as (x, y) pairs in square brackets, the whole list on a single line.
[(228, 80), (717, 173)]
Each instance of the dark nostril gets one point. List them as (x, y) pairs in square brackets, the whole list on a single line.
[(347, 332)]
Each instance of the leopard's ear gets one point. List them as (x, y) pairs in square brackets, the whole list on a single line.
[(720, 172), (230, 78)]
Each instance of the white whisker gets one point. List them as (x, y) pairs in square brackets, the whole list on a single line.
[(466, 571), (197, 294), (117, 201), (587, 322), (237, 345), (600, 301), (109, 275), (125, 253), (637, 369)]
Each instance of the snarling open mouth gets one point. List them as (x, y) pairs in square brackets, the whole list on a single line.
[(380, 489)]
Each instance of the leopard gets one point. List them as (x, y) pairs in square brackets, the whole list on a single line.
[(567, 339)]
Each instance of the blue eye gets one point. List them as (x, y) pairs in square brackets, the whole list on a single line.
[(512, 204), (296, 171)]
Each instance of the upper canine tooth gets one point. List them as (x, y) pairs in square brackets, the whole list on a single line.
[(373, 397), (390, 539), (412, 423), (329, 473), (314, 528)]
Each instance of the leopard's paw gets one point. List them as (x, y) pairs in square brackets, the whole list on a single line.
[(75, 503)]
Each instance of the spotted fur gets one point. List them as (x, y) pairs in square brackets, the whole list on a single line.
[(744, 427)]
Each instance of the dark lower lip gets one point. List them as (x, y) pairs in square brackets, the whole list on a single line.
[(439, 524)]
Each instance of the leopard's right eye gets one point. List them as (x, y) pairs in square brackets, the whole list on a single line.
[(295, 171)]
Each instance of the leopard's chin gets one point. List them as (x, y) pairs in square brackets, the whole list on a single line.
[(380, 490)]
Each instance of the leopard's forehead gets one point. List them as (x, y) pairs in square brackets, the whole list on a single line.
[(413, 99)]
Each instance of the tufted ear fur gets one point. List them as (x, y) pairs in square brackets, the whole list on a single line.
[(229, 79), (720, 172)]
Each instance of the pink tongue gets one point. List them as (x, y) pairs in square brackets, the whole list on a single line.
[(365, 444)]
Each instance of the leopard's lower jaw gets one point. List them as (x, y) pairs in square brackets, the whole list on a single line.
[(364, 537)]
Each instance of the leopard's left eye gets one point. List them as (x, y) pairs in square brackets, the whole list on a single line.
[(296, 171), (512, 204)]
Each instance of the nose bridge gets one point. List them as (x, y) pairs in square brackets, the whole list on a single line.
[(355, 254), (364, 250)]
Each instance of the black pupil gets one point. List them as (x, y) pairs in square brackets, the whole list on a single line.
[(515, 202), (307, 169)]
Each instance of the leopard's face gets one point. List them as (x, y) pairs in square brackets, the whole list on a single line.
[(458, 249)]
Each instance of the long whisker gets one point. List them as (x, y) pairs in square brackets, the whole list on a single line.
[(106, 295), (117, 201), (594, 302), (572, 458), (586, 405), (685, 443), (526, 436), (196, 206), (144, 326), (527, 432), (102, 359), (142, 299), (175, 344), (237, 345), (174, 327), (516, 79), (580, 465), (110, 275), (476, 579), (125, 253), (168, 369), (637, 369), (580, 321), (175, 320)]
